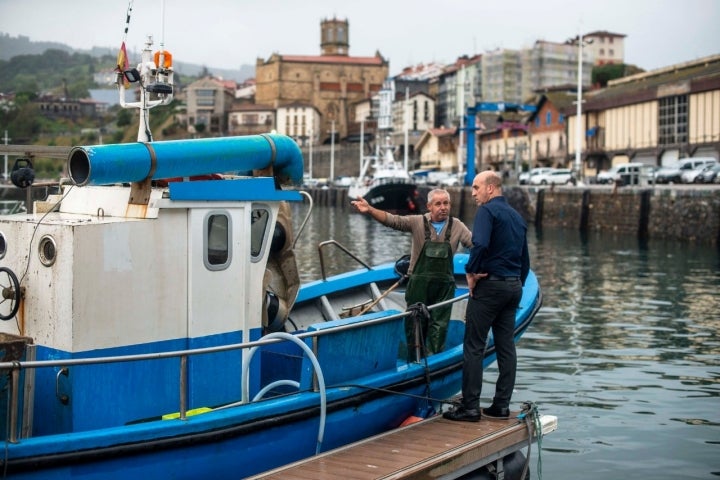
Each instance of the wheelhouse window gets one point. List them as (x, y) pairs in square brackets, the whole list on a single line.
[(218, 240), (258, 231)]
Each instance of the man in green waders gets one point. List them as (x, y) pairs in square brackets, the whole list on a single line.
[(436, 236)]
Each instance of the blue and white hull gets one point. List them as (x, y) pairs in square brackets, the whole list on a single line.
[(165, 333)]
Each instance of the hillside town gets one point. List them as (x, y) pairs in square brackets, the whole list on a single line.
[(523, 103)]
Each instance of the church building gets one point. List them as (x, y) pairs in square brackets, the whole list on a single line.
[(333, 82)]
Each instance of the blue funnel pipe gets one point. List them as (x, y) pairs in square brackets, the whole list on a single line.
[(135, 162)]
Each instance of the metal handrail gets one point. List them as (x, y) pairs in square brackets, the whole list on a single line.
[(321, 245), (16, 366), (307, 216)]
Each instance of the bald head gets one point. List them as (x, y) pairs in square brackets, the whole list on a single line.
[(486, 186)]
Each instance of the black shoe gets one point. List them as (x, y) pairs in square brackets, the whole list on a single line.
[(496, 412), (462, 414)]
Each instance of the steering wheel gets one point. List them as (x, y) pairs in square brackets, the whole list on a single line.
[(10, 288)]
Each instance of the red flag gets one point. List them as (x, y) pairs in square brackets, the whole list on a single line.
[(123, 63)]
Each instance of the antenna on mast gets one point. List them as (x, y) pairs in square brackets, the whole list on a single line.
[(154, 74)]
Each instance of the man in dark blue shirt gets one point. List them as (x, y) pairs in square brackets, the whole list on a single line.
[(496, 271)]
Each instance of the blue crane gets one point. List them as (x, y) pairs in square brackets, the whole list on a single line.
[(471, 128)]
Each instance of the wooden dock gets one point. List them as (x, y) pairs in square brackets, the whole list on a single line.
[(433, 448)]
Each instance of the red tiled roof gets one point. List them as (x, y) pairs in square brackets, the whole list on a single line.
[(333, 59)]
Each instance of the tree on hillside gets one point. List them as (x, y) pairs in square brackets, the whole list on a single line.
[(602, 74)]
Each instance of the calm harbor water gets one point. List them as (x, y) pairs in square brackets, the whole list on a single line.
[(625, 350)]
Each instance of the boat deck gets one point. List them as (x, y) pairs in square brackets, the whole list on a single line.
[(432, 448)]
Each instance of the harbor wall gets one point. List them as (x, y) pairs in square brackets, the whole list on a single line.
[(682, 213)]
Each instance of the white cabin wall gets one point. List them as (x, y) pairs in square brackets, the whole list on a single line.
[(46, 289), (130, 282)]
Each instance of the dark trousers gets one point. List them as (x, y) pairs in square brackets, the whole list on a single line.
[(493, 305)]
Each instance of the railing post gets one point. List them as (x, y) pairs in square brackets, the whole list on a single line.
[(14, 399), (183, 387)]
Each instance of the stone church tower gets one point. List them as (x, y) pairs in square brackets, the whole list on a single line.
[(334, 37), (333, 83)]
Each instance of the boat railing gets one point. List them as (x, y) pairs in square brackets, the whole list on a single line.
[(327, 243), (17, 366)]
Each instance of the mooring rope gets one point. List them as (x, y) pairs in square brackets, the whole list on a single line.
[(530, 414)]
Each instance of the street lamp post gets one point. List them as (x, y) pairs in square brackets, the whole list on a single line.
[(578, 123)]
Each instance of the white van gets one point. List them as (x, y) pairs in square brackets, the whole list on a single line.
[(674, 173), (624, 174)]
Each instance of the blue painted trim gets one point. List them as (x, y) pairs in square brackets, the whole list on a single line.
[(245, 189)]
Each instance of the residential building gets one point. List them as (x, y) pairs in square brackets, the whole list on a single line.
[(605, 47), (550, 64), (251, 119), (654, 117), (299, 121), (504, 148), (208, 102), (459, 85), (547, 129), (438, 149), (51, 106), (332, 82), (411, 118), (501, 76)]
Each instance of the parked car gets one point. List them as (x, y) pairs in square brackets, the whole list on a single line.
[(524, 177), (693, 176), (451, 181), (673, 173), (624, 174), (711, 174), (557, 176)]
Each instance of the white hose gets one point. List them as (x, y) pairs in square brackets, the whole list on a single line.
[(318, 372)]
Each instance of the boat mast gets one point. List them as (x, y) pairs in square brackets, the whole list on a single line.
[(154, 73)]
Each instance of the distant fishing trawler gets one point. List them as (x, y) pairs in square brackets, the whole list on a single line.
[(383, 181), (153, 322)]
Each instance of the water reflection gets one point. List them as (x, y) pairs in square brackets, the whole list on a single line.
[(625, 350)]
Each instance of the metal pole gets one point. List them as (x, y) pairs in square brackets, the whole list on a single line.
[(578, 125), (5, 175), (362, 144), (311, 149), (407, 125), (332, 152)]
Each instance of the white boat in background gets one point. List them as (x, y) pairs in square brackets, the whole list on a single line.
[(389, 186), (383, 181)]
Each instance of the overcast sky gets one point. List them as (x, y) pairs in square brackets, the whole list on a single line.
[(229, 33)]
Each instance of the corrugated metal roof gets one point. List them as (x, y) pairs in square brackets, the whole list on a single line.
[(697, 76)]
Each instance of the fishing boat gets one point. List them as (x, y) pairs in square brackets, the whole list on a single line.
[(384, 181), (389, 187), (153, 323)]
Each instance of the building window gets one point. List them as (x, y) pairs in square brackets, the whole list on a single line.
[(537, 121), (611, 52), (205, 97), (673, 120), (561, 119), (548, 118), (602, 51)]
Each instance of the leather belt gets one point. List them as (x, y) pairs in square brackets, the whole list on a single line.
[(498, 278)]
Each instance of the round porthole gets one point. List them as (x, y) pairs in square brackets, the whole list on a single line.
[(3, 245), (47, 250)]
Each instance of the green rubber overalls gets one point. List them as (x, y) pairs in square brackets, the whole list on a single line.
[(431, 281)]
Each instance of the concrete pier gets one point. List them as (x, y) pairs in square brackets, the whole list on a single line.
[(683, 213)]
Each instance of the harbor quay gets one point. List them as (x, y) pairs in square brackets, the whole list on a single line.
[(683, 213)]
